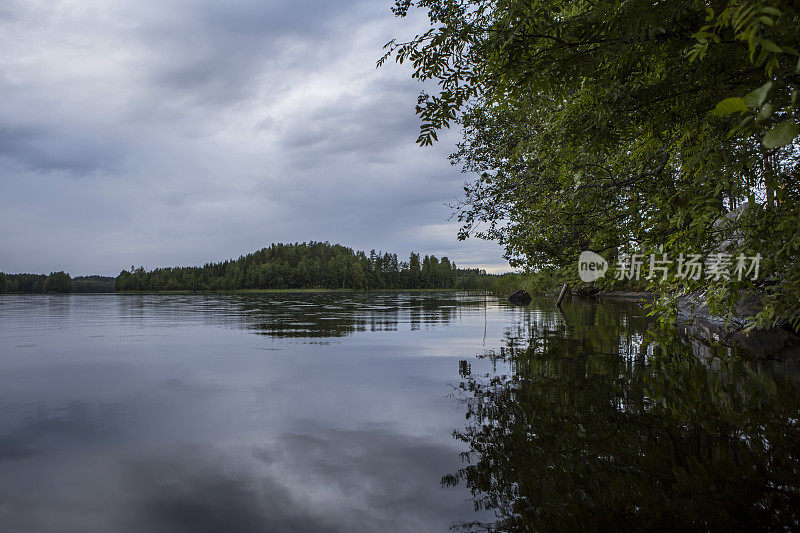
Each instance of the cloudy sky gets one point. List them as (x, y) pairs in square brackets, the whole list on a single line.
[(177, 132)]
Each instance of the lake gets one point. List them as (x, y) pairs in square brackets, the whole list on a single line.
[(384, 412)]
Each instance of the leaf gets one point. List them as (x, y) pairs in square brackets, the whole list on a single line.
[(781, 135), (757, 97), (728, 106), (765, 112), (771, 46)]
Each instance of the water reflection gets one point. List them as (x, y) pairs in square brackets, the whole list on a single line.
[(279, 315), (265, 412), (332, 412), (601, 422)]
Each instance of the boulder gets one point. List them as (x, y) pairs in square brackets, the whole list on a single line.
[(520, 298), (586, 290)]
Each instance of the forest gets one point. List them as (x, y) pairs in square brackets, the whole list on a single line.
[(94, 283), (36, 283), (313, 265), (54, 282)]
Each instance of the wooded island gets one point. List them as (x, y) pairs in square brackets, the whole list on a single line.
[(313, 265)]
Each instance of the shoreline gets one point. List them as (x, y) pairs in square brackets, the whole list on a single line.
[(250, 291), (288, 291), (627, 295)]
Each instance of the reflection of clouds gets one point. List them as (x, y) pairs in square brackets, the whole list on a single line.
[(195, 491), (44, 429), (318, 480), (374, 478), (328, 480)]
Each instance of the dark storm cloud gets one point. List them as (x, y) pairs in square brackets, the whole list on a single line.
[(182, 132), (41, 150), (215, 52), (373, 124)]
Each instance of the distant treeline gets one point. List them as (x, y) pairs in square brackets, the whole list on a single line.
[(55, 282), (94, 283), (309, 265)]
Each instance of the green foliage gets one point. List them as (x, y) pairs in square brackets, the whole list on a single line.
[(759, 25), (93, 284), (545, 281), (781, 135), (730, 105), (550, 280), (24, 283), (58, 282), (621, 126), (540, 283), (308, 266)]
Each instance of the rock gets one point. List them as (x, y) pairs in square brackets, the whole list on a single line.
[(697, 323), (694, 307), (586, 291), (728, 229), (520, 298)]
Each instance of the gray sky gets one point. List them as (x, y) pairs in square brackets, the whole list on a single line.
[(173, 132)]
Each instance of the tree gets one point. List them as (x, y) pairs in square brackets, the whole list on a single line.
[(59, 282), (414, 270), (621, 126)]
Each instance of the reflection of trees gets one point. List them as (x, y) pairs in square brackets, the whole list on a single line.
[(309, 315), (594, 430), (331, 315)]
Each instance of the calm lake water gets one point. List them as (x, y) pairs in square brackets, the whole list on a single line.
[(383, 412)]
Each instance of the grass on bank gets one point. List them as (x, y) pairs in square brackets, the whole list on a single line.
[(550, 280)]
